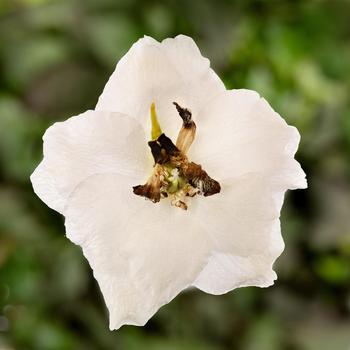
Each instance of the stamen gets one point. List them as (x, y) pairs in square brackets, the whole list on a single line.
[(188, 130), (181, 204), (159, 156), (197, 177), (201, 180), (174, 176), (168, 145), (184, 113), (151, 189)]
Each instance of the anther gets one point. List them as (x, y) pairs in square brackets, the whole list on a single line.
[(158, 156), (166, 143), (188, 129), (185, 114)]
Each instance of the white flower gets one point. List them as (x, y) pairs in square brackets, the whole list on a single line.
[(142, 253)]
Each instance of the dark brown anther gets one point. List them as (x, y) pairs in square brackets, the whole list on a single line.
[(185, 114), (199, 179), (158, 156), (148, 191), (210, 187), (188, 130), (166, 143)]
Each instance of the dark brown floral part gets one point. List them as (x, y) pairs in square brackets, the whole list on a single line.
[(185, 114), (199, 179), (152, 188), (192, 179), (188, 131)]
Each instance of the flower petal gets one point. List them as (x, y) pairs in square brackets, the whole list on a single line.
[(240, 133), (250, 150), (90, 143), (243, 227), (142, 254), (173, 70)]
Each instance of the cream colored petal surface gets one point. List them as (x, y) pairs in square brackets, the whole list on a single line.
[(242, 223), (142, 254), (250, 150), (240, 133), (90, 143), (173, 70)]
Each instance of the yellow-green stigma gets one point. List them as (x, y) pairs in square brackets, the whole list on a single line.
[(156, 131), (174, 176)]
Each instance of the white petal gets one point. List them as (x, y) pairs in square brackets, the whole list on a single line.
[(240, 133), (243, 227), (250, 150), (90, 143), (173, 70), (143, 254)]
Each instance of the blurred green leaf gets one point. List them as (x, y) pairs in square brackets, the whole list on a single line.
[(110, 36), (334, 269)]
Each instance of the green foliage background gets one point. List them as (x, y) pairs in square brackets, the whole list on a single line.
[(55, 57)]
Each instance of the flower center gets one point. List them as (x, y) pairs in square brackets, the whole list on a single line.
[(174, 175)]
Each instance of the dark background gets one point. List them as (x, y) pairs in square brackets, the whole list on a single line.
[(55, 57)]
